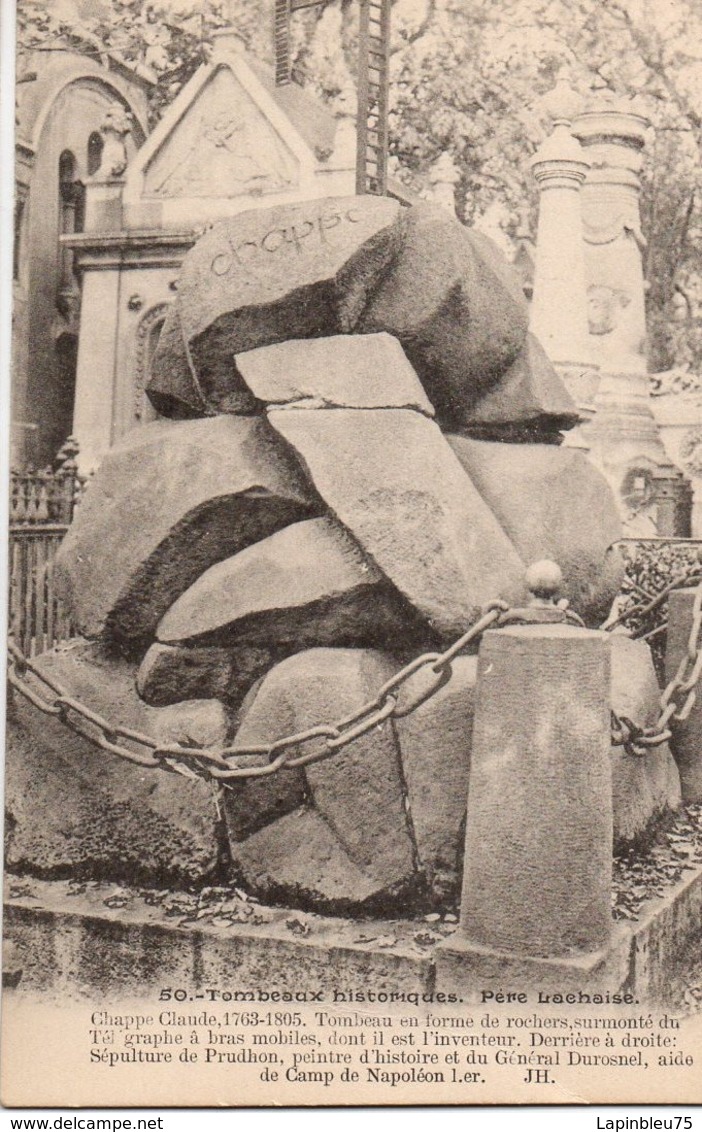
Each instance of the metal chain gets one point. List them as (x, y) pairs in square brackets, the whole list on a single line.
[(692, 578), (402, 694), (639, 740)]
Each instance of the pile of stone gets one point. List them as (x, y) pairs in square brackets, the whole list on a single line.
[(360, 449)]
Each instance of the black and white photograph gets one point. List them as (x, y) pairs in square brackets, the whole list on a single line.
[(353, 738)]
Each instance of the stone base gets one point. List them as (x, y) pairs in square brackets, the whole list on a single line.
[(70, 941), (471, 969)]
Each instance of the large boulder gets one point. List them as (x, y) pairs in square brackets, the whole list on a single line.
[(529, 403), (460, 325), (165, 504), (552, 503), (74, 808), (645, 788), (435, 743), (391, 478), (309, 584), (348, 839), (359, 371), (300, 270)]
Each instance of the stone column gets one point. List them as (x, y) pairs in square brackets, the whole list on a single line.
[(559, 304), (95, 379), (687, 735), (93, 415), (623, 434), (538, 858)]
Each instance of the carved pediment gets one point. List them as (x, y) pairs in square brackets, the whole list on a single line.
[(222, 146)]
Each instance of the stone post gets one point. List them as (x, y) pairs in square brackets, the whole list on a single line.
[(538, 852), (559, 304), (623, 434), (687, 735)]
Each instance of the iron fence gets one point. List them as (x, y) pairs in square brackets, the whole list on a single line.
[(42, 504)]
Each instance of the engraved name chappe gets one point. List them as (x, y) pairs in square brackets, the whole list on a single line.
[(292, 236), (410, 687)]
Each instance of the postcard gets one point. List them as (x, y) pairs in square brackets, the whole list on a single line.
[(354, 732)]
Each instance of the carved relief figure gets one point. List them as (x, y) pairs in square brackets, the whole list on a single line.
[(603, 308), (224, 146)]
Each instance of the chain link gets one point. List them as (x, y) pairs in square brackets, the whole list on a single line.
[(639, 740), (684, 581), (412, 686), (402, 694)]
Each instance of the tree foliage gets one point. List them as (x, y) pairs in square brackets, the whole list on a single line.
[(467, 76)]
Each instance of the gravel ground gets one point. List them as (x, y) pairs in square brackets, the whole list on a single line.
[(637, 878)]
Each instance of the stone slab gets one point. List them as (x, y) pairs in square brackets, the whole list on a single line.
[(470, 968), (460, 325), (75, 808), (357, 371), (65, 940), (165, 504), (303, 270), (137, 942), (552, 503), (170, 673), (668, 925), (391, 478), (530, 401), (305, 586), (645, 788)]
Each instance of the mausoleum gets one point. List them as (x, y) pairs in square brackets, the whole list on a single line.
[(68, 105), (231, 141)]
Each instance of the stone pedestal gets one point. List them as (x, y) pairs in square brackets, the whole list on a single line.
[(538, 859), (103, 204)]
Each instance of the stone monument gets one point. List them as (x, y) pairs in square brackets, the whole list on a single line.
[(624, 437), (359, 450), (558, 310)]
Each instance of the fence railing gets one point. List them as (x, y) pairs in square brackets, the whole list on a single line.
[(37, 619), (41, 508)]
